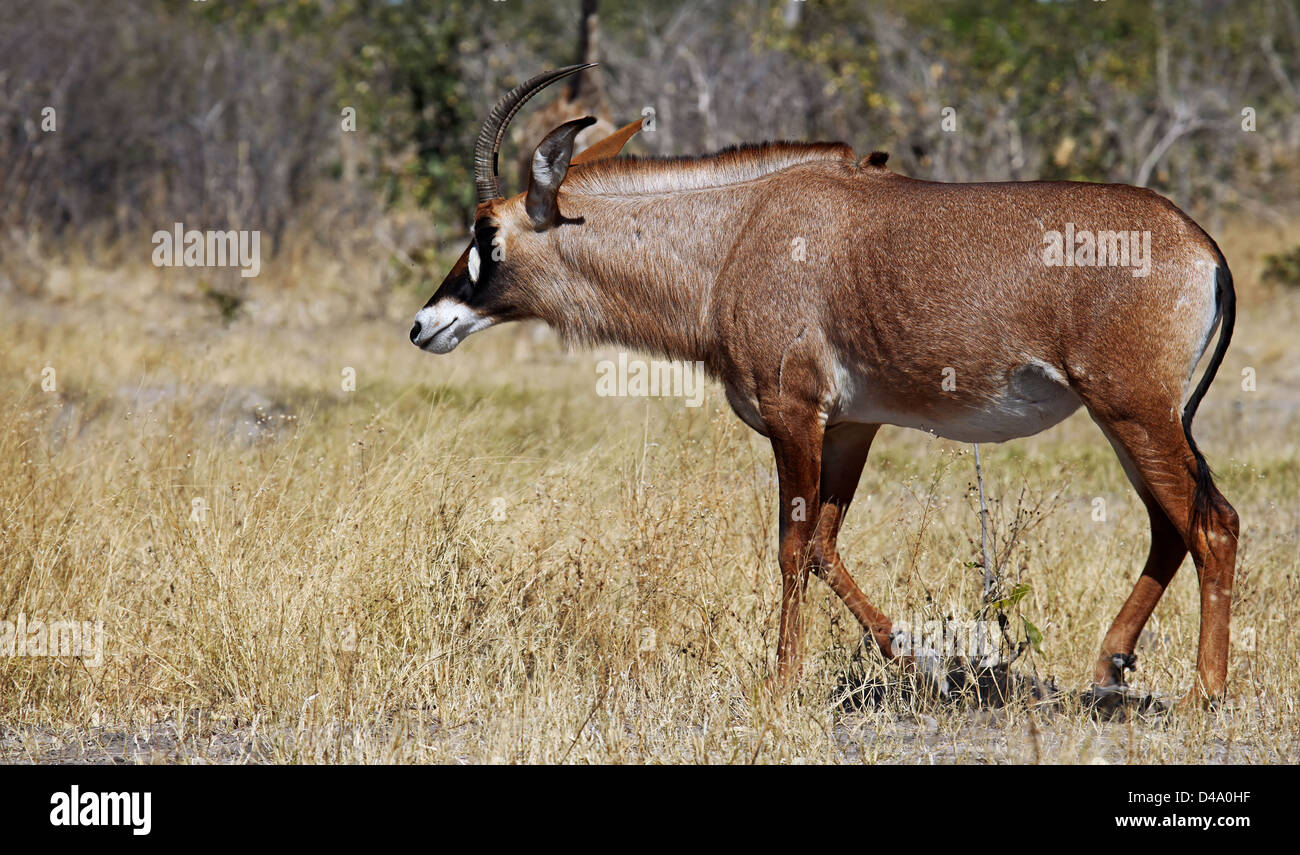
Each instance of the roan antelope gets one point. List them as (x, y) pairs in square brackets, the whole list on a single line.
[(902, 284)]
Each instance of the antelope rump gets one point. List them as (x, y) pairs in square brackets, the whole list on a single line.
[(830, 295)]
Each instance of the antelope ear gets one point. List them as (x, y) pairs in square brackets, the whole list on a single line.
[(550, 165), (610, 146)]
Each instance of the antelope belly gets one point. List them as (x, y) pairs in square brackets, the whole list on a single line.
[(1030, 399)]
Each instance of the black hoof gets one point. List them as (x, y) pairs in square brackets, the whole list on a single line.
[(1118, 702), (1119, 664)]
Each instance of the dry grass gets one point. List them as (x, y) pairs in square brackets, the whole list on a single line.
[(476, 559)]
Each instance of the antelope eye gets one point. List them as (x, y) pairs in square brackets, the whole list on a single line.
[(473, 263)]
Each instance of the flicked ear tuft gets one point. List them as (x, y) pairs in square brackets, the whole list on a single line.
[(550, 165)]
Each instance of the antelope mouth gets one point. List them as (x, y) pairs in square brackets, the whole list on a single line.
[(434, 342), (441, 327)]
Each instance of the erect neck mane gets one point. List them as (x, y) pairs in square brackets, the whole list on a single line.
[(634, 176), (640, 273)]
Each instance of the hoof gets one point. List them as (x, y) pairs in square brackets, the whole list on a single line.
[(1115, 699), (1198, 701), (1120, 663)]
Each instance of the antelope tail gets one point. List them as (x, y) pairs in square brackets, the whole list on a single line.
[(1226, 297)]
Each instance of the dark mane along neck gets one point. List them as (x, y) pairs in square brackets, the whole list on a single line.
[(624, 176)]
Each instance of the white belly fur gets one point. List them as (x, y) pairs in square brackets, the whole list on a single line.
[(1032, 398)]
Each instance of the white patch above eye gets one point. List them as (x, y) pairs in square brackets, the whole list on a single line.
[(473, 264)]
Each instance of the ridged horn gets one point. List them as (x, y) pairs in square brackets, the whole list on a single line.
[(494, 128)]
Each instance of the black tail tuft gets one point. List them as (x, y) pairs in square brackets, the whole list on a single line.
[(1203, 503)]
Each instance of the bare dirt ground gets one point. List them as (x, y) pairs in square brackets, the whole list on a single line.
[(964, 736)]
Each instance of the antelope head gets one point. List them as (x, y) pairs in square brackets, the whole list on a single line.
[(487, 285)]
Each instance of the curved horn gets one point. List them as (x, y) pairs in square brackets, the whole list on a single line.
[(494, 128)]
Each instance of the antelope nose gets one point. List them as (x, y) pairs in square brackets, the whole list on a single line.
[(415, 332)]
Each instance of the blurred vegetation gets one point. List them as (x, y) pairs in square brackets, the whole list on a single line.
[(1283, 268), (232, 113)]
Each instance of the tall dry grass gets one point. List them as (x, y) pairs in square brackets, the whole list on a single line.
[(475, 558)]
